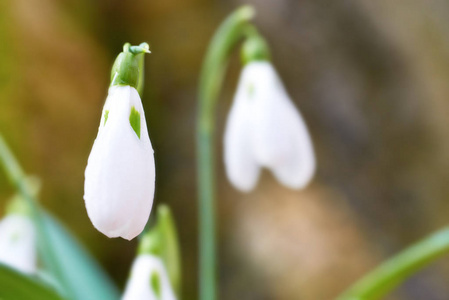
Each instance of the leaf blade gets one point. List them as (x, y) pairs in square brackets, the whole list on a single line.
[(15, 285)]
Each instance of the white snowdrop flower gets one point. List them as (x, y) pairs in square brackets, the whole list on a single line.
[(148, 280), (18, 243), (264, 129), (120, 173)]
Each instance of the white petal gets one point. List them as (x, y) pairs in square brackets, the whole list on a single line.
[(120, 173), (240, 164), (281, 140), (139, 283), (18, 243)]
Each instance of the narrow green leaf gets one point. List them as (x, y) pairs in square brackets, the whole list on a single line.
[(87, 279), (399, 268), (19, 180), (18, 286), (170, 252)]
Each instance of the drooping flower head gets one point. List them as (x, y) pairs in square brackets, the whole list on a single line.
[(120, 173), (148, 280), (18, 238), (156, 271), (264, 129)]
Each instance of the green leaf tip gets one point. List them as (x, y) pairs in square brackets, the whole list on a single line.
[(134, 120), (155, 283)]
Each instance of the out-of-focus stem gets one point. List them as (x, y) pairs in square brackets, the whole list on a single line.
[(228, 34), (397, 269)]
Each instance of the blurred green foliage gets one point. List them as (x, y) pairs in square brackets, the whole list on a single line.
[(370, 78)]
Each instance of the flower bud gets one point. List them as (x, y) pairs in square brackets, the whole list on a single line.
[(120, 172), (18, 242), (162, 241), (148, 280)]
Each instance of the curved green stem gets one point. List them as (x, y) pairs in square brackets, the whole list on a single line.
[(212, 74), (397, 269)]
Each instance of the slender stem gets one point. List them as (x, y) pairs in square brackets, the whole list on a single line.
[(18, 179), (212, 74), (397, 269)]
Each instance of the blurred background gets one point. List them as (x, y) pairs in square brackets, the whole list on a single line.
[(370, 78)]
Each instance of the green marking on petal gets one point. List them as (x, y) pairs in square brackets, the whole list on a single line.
[(155, 282), (15, 237), (106, 114), (250, 90), (134, 120)]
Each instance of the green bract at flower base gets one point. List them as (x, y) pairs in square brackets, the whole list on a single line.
[(128, 67), (255, 48), (162, 241)]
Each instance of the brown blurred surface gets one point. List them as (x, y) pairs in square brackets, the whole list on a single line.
[(370, 78)]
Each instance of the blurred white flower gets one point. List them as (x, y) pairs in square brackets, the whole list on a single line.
[(148, 280), (18, 243), (120, 173), (264, 129)]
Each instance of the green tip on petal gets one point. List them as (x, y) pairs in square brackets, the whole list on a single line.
[(155, 283), (250, 90), (134, 120), (106, 114)]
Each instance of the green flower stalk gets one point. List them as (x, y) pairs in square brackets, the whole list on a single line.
[(231, 32)]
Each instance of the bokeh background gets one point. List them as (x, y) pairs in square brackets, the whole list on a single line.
[(370, 78)]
